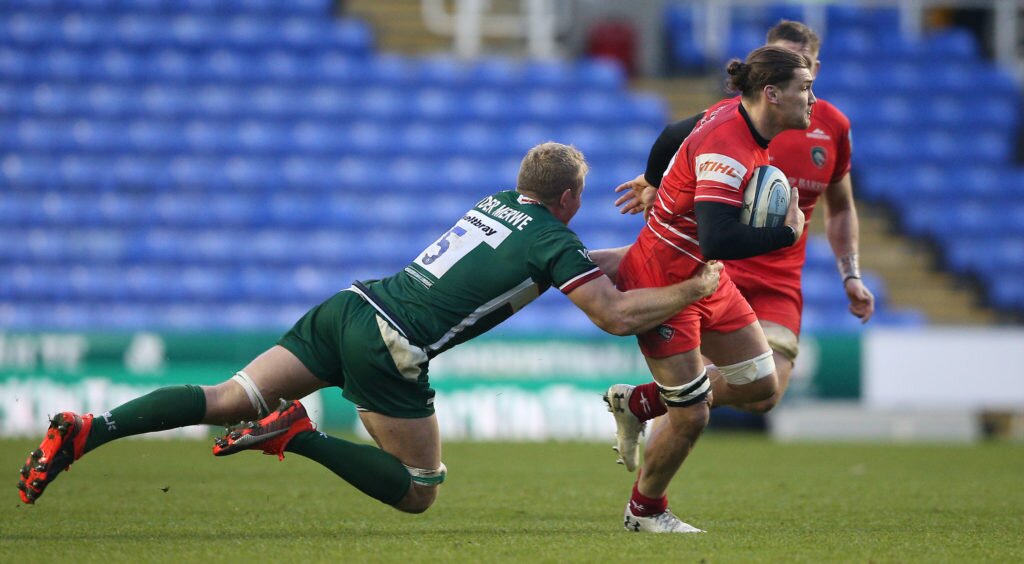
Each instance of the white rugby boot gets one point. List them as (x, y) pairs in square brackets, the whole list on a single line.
[(627, 427), (665, 522)]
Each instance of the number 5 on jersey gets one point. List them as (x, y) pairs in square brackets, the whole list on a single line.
[(467, 234)]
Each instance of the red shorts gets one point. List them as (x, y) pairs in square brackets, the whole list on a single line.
[(724, 311), (779, 301)]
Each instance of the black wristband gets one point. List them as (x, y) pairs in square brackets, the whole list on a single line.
[(850, 277)]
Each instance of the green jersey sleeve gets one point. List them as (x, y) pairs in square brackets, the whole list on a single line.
[(558, 255)]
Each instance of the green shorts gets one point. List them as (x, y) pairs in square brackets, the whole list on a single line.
[(343, 341)]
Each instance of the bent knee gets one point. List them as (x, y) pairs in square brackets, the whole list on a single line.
[(763, 406), (418, 499)]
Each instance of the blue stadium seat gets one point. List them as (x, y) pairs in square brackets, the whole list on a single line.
[(479, 140), (438, 104), (648, 109), (882, 19), (743, 40), (339, 68), (141, 31), (952, 44), (1007, 293), (501, 73), (444, 72), (599, 74)]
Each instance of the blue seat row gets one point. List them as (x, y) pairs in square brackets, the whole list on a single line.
[(316, 8), (92, 30), (882, 146), (308, 138), (937, 77), (992, 258), (328, 103), (996, 220), (951, 183), (862, 44), (321, 66), (357, 212), (960, 112), (404, 174)]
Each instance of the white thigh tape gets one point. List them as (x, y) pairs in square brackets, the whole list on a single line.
[(749, 371)]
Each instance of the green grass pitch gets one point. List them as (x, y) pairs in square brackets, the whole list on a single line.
[(142, 501)]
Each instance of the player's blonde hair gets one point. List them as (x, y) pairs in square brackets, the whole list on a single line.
[(549, 169)]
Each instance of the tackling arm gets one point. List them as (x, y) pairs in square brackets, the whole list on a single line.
[(636, 311), (608, 260), (843, 229)]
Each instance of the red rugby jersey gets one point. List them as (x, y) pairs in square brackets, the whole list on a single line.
[(713, 164), (812, 159)]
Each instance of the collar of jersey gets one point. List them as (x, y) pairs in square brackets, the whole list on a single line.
[(750, 125)]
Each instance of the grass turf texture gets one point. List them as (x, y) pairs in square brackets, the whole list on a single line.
[(759, 501)]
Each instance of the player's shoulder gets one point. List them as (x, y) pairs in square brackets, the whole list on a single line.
[(717, 116)]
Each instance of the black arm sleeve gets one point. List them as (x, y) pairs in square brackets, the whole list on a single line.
[(665, 147), (722, 236)]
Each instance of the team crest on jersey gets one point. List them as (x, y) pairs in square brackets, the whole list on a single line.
[(666, 332), (819, 156)]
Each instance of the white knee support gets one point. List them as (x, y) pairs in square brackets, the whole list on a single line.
[(424, 477), (688, 394), (749, 371), (255, 397)]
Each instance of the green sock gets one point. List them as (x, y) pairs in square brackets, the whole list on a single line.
[(159, 410), (371, 470)]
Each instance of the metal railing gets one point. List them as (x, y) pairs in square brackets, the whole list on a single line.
[(537, 22)]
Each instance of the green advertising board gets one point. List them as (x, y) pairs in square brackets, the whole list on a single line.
[(493, 388)]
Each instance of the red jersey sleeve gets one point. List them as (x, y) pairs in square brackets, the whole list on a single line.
[(721, 169)]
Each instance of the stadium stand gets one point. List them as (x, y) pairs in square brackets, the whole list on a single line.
[(197, 164)]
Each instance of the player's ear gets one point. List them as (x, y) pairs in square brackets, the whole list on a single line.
[(565, 200), (771, 93)]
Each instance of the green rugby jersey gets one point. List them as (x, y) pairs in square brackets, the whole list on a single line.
[(497, 258)]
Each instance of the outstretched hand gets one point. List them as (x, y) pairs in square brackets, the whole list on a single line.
[(639, 196), (862, 301)]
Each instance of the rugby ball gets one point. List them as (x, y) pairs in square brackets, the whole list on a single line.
[(766, 198)]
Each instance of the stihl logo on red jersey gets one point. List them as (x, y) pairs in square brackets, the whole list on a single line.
[(720, 168)]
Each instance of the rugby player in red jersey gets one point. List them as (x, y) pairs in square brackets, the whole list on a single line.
[(816, 160), (695, 218)]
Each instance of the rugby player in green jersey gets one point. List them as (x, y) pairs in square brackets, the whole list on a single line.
[(374, 341)]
